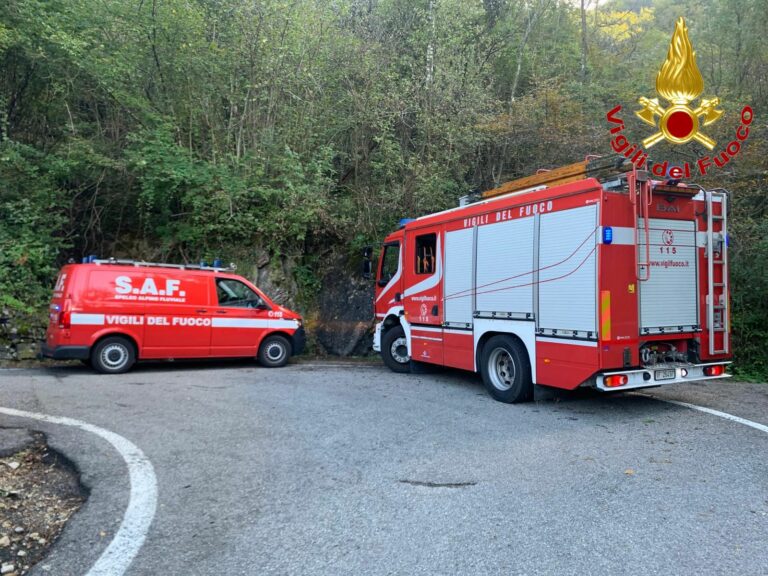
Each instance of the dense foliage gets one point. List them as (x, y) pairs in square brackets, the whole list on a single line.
[(183, 129)]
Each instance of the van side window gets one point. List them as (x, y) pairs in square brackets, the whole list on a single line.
[(390, 262), (426, 247), (232, 293)]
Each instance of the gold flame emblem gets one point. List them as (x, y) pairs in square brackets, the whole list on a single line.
[(679, 81)]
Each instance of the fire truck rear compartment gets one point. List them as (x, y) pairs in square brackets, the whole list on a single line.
[(669, 288)]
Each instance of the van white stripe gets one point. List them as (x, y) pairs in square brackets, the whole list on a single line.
[(87, 319), (283, 324), (414, 337), (252, 323), (99, 320)]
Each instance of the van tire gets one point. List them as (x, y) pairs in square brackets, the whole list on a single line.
[(506, 370), (394, 350), (113, 355), (274, 351)]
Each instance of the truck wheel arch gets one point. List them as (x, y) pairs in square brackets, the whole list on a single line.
[(487, 336), (389, 322)]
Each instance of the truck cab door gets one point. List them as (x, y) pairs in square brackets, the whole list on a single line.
[(388, 293), (423, 293), (240, 319)]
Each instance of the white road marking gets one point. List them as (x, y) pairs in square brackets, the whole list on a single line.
[(731, 417), (130, 536)]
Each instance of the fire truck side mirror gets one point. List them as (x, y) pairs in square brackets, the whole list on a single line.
[(367, 264)]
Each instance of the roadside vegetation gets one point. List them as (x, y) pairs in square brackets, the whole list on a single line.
[(181, 130)]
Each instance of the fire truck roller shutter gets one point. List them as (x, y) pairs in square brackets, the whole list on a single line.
[(505, 268), (668, 299), (459, 250), (568, 271)]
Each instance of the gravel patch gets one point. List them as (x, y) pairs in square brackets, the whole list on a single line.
[(39, 492)]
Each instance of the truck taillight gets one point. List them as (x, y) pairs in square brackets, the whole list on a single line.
[(718, 370), (615, 380)]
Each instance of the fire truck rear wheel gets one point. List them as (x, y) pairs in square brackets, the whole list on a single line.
[(506, 370), (274, 352), (113, 355), (394, 350)]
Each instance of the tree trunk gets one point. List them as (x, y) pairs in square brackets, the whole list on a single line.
[(583, 42)]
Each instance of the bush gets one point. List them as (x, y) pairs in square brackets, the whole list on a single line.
[(30, 229)]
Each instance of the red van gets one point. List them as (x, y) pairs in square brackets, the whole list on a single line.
[(111, 313)]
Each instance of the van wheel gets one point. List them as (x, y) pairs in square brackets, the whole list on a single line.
[(113, 355), (274, 352), (394, 350), (506, 370)]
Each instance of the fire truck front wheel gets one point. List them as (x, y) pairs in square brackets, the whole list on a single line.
[(394, 350), (113, 355), (506, 370)]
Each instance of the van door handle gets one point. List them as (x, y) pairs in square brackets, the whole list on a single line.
[(221, 311), (201, 311)]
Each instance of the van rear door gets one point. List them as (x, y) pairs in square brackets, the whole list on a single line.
[(60, 310)]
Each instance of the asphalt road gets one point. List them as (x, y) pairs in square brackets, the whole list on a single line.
[(320, 469)]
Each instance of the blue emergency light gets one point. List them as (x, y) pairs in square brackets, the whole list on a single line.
[(404, 221), (607, 235)]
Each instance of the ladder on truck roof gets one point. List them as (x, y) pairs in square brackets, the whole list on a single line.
[(142, 263), (600, 167), (718, 315)]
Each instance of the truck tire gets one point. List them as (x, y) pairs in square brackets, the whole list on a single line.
[(394, 350), (113, 355), (506, 370), (274, 351)]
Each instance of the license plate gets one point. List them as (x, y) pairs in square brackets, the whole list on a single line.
[(664, 375)]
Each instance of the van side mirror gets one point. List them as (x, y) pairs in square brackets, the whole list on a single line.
[(367, 263), (258, 304)]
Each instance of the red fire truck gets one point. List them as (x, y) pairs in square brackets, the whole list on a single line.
[(589, 275)]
